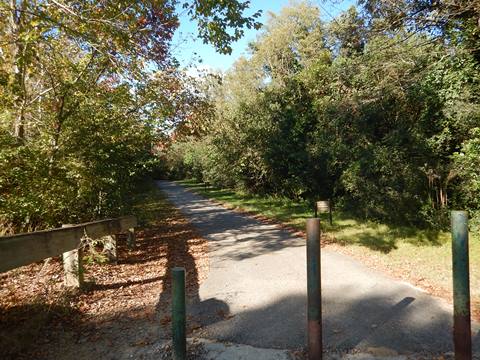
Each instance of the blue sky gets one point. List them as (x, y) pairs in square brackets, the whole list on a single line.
[(185, 43)]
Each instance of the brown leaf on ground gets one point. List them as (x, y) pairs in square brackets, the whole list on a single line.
[(33, 298)]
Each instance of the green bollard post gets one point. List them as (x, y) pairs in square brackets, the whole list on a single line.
[(314, 288), (462, 336), (179, 314)]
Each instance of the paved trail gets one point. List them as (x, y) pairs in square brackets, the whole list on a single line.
[(258, 276)]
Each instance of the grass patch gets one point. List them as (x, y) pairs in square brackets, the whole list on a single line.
[(420, 256)]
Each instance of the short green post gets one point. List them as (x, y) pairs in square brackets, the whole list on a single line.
[(178, 314), (314, 289), (462, 336)]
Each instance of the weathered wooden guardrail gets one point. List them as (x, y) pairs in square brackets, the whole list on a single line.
[(24, 249)]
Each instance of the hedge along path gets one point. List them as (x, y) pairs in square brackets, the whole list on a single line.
[(121, 304)]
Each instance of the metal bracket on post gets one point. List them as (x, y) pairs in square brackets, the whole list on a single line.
[(462, 332), (314, 288), (179, 314)]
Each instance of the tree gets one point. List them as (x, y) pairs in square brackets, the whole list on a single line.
[(456, 21), (378, 109), (348, 33), (85, 89), (288, 41), (123, 37)]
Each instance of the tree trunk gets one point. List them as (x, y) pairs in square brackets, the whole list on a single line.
[(17, 50)]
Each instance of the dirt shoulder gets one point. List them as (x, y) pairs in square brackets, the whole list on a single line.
[(121, 306)]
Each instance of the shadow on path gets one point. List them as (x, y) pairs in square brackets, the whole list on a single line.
[(217, 223), (345, 328), (258, 274)]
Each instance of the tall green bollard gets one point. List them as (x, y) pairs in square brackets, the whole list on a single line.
[(178, 314), (462, 336), (314, 298)]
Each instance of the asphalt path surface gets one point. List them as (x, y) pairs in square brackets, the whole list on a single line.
[(255, 293)]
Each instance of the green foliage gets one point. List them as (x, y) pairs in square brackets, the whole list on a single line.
[(466, 163), (364, 109), (87, 91), (215, 18)]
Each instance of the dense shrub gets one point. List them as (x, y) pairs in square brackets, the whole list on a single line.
[(386, 123)]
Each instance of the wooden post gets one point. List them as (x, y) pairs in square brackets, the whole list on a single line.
[(179, 314), (73, 266), (314, 289), (110, 248), (462, 332), (131, 238)]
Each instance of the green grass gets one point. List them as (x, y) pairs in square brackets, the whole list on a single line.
[(422, 256)]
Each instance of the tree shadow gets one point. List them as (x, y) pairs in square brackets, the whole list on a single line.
[(23, 327), (385, 238), (374, 321), (234, 235), (389, 319), (377, 243), (350, 229), (41, 329)]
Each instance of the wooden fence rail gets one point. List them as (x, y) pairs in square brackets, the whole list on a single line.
[(24, 249)]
